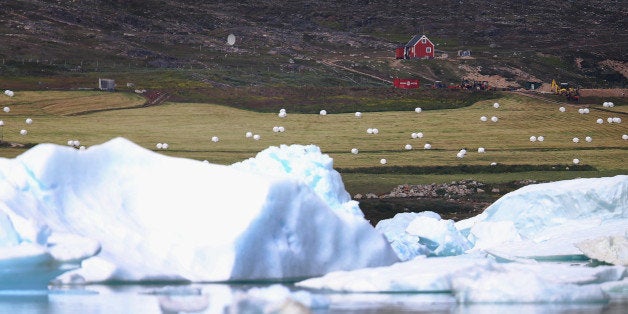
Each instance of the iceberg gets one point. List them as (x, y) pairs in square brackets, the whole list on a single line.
[(163, 218)]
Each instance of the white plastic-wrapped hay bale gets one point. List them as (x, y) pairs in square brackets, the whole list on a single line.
[(562, 109), (248, 134), (358, 114), (281, 129), (413, 135), (354, 151), (165, 146), (481, 150), (158, 145), (418, 109), (23, 132), (9, 93), (427, 146), (369, 131), (624, 137), (576, 161), (408, 147), (375, 131), (575, 140), (616, 120), (494, 119), (6, 109), (483, 118), (588, 139), (540, 138), (383, 161), (496, 105), (28, 121), (256, 137), (599, 121), (532, 138), (323, 112), (215, 139)]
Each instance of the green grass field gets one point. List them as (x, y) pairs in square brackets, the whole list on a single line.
[(188, 129)]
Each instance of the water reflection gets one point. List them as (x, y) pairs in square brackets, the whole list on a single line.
[(232, 299)]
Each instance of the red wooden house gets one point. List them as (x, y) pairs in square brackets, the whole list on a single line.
[(417, 48)]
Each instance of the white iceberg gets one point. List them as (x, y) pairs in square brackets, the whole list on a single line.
[(163, 218)]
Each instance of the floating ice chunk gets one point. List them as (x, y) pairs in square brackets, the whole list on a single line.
[(609, 249), (433, 274), (440, 236)]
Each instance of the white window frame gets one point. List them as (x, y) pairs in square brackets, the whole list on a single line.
[(428, 49)]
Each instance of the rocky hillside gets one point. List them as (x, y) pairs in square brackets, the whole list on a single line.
[(313, 42)]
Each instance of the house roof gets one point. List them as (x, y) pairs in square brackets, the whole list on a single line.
[(416, 39)]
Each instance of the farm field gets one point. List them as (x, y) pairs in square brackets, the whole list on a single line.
[(188, 129)]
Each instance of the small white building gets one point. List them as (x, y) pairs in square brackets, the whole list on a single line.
[(106, 84)]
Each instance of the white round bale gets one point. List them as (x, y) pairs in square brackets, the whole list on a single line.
[(383, 161), (419, 135), (599, 121), (496, 105), (354, 151), (418, 109), (588, 139), (561, 109), (427, 146), (6, 109), (358, 114), (483, 118), (408, 147), (248, 134), (215, 139), (323, 112), (165, 145), (23, 132), (576, 161), (576, 140), (29, 121), (414, 135), (369, 131), (540, 138), (494, 119), (624, 137), (282, 129), (532, 138), (257, 137), (481, 150), (375, 131)]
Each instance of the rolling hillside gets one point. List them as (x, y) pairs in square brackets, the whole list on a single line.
[(181, 46)]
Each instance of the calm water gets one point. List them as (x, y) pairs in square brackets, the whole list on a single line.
[(231, 299)]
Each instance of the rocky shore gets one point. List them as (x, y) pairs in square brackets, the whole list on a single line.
[(456, 200)]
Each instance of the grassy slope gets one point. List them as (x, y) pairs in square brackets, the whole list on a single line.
[(188, 128)]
